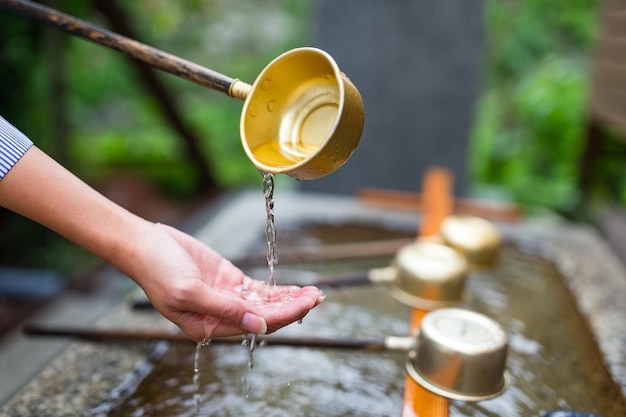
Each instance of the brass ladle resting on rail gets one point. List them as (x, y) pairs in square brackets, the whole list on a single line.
[(456, 353), (431, 273), (302, 116)]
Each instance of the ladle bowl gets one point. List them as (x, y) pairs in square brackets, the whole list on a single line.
[(476, 238), (425, 275), (303, 116), (460, 355)]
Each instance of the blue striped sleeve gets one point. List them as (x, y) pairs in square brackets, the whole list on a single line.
[(13, 144)]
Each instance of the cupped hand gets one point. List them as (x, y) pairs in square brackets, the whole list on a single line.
[(205, 295), (187, 282)]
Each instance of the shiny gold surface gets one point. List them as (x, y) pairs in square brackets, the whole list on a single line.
[(429, 275), (476, 238), (303, 116), (460, 355)]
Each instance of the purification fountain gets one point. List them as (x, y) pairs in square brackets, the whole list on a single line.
[(556, 290)]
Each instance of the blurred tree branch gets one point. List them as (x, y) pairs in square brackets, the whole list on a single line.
[(166, 101)]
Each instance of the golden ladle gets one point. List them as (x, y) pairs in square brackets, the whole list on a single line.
[(302, 116)]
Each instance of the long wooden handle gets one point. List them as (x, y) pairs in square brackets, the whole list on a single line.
[(329, 282), (389, 343), (335, 251), (144, 53), (322, 283), (414, 202)]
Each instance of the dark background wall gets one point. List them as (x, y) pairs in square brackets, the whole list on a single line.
[(417, 66)]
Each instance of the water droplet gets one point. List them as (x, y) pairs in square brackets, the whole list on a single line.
[(196, 373), (266, 84), (270, 226), (251, 348), (271, 105)]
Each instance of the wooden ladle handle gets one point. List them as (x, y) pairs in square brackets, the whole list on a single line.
[(144, 53)]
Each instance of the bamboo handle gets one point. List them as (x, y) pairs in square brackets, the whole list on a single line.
[(342, 281), (382, 275), (414, 202), (144, 53), (389, 343), (336, 251), (329, 282), (373, 276)]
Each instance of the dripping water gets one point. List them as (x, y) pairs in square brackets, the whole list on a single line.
[(196, 374), (249, 341), (272, 258), (270, 226)]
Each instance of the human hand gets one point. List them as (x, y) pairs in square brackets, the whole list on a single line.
[(206, 295)]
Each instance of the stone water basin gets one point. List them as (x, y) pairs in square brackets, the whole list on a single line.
[(556, 291)]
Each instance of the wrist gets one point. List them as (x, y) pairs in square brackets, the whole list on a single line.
[(125, 245)]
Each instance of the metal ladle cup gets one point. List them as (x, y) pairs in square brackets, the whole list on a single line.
[(426, 275), (476, 238), (460, 355), (302, 116)]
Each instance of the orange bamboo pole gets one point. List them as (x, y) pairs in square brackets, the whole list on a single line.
[(409, 201), (438, 204)]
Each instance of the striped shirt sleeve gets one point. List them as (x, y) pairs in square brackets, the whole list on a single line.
[(13, 144)]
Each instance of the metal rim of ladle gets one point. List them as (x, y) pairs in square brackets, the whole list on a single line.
[(451, 394), (462, 351), (410, 283)]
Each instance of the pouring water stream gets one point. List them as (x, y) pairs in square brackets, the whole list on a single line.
[(249, 341)]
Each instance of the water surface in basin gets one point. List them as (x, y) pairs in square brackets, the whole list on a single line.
[(553, 360)]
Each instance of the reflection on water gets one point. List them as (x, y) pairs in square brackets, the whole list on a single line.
[(553, 360)]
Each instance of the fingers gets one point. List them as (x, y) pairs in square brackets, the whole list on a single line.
[(229, 315), (223, 307), (206, 296), (286, 304), (292, 312), (203, 328)]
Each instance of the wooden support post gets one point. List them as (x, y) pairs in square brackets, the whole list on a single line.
[(438, 204)]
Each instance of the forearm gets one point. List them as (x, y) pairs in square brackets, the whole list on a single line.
[(189, 283), (39, 188)]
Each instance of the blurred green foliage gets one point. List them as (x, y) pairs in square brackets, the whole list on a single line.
[(530, 120), (117, 127)]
